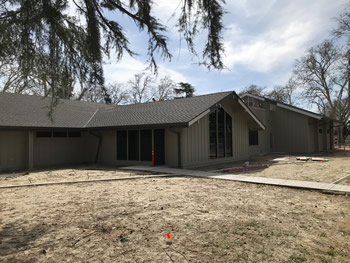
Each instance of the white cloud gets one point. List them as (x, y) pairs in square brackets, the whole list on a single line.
[(264, 52), (251, 8), (125, 69), (285, 33)]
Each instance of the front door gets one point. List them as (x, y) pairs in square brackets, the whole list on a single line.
[(159, 147)]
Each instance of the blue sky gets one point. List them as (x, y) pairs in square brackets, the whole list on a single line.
[(262, 41)]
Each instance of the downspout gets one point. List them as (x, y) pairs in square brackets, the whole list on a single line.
[(98, 146), (179, 163)]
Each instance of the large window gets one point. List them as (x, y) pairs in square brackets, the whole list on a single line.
[(253, 137), (146, 145), (44, 134), (220, 134), (58, 134), (133, 143), (228, 135), (212, 135)]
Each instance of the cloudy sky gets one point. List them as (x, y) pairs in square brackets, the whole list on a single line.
[(262, 41)]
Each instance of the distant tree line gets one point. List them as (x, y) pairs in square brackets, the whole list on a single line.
[(142, 87)]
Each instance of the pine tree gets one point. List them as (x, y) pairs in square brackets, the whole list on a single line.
[(55, 51), (186, 88)]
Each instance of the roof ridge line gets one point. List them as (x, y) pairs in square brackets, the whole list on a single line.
[(93, 115)]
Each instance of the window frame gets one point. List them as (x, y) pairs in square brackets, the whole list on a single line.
[(214, 140), (253, 137)]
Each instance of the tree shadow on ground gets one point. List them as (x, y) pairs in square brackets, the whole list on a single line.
[(16, 238)]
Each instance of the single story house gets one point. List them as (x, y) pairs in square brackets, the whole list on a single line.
[(186, 132), (182, 132), (289, 129)]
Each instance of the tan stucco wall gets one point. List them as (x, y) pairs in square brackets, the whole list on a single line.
[(13, 150)]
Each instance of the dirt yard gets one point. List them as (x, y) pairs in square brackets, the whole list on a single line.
[(338, 166), (327, 172), (65, 175), (210, 220)]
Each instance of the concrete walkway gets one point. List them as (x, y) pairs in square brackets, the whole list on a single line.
[(327, 187)]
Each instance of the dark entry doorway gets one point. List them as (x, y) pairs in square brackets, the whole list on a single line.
[(146, 145), (159, 147)]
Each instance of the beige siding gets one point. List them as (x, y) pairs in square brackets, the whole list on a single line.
[(240, 142), (290, 131), (90, 147), (171, 148), (328, 137), (195, 143), (320, 138), (58, 151), (264, 145), (108, 148), (324, 137), (13, 150), (195, 139), (313, 138)]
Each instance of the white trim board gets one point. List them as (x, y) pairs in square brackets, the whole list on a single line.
[(300, 111), (200, 116), (251, 114), (253, 96)]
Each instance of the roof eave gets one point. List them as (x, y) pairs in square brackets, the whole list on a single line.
[(249, 111), (140, 126)]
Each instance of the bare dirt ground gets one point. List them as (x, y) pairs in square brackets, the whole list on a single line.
[(337, 167), (210, 220), (65, 175)]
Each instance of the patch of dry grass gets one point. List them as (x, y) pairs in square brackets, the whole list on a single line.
[(211, 221), (326, 172), (66, 175)]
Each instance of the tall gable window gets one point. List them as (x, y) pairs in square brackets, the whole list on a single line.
[(228, 135), (212, 135), (220, 134)]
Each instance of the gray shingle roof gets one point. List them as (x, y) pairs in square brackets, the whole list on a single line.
[(32, 111), (171, 112)]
